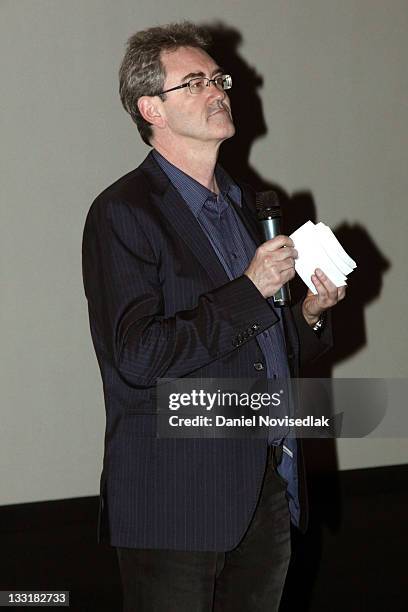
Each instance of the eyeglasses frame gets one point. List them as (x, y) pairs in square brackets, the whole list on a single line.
[(225, 76)]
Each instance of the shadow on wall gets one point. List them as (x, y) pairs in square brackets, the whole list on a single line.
[(348, 317)]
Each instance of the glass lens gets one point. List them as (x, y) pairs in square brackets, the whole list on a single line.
[(196, 85), (219, 81), (226, 81)]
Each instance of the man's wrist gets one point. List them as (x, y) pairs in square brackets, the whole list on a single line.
[(320, 323), (311, 320)]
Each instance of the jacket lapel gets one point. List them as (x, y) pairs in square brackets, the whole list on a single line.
[(172, 206), (247, 214)]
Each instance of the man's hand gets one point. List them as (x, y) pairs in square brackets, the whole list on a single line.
[(272, 265), (327, 296)]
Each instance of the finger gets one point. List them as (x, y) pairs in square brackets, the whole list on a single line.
[(320, 287), (325, 279), (277, 243), (287, 275), (279, 265), (330, 287), (341, 293), (286, 264), (282, 254)]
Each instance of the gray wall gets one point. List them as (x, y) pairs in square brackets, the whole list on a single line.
[(335, 103)]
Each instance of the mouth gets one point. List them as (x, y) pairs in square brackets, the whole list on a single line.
[(219, 110)]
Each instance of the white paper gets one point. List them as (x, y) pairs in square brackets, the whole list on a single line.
[(318, 247), (332, 245)]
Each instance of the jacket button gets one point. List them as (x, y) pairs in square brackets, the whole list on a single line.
[(255, 326), (258, 365)]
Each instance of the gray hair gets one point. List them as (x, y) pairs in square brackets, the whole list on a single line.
[(142, 73)]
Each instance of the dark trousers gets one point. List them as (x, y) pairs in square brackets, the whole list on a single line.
[(246, 579)]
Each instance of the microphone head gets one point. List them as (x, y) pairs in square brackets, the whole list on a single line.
[(267, 205)]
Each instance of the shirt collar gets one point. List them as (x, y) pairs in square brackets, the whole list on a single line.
[(194, 194)]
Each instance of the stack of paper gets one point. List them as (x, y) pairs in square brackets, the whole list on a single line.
[(318, 247)]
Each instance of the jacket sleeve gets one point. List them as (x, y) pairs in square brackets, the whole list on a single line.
[(126, 307), (311, 345)]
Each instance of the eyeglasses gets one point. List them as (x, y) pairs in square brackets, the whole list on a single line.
[(198, 84)]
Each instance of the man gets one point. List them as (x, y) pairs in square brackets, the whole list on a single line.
[(178, 282)]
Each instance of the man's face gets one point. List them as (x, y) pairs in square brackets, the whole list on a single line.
[(204, 117)]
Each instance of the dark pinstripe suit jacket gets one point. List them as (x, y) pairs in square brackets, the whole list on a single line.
[(161, 305)]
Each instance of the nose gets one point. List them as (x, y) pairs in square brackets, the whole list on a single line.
[(215, 91)]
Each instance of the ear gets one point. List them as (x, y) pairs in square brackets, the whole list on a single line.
[(150, 109)]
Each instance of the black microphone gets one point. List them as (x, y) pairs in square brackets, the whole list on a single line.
[(270, 216)]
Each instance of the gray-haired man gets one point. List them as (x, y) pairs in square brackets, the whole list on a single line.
[(178, 283)]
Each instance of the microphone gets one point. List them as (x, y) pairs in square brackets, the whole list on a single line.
[(270, 216)]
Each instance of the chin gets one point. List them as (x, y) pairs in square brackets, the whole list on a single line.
[(222, 135), (226, 129), (229, 133)]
